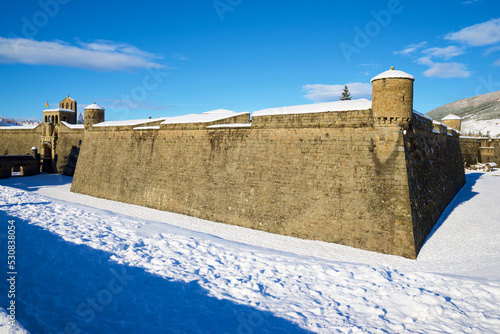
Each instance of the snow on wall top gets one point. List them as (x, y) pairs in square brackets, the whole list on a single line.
[(18, 127), (360, 104), (206, 117), (392, 73), (129, 122), (94, 106), (57, 109), (154, 127), (72, 126), (422, 115), (451, 116), (232, 125)]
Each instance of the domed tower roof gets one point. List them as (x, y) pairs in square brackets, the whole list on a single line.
[(452, 121), (451, 116), (94, 114), (93, 106), (393, 74)]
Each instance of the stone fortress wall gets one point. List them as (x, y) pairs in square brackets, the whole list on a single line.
[(58, 138), (373, 175)]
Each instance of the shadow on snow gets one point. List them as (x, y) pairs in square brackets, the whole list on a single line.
[(33, 183), (464, 195), (64, 287)]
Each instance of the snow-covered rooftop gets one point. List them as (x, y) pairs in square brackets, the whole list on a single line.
[(57, 109), (360, 104), (206, 117), (94, 106), (392, 73), (451, 116)]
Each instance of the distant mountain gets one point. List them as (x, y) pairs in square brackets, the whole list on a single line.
[(480, 114), (8, 122), (477, 108), (12, 122)]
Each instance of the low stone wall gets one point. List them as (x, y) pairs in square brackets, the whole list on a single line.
[(19, 141), (27, 164), (356, 118), (239, 119), (470, 150), (480, 150)]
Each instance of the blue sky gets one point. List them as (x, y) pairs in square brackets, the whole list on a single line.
[(172, 58)]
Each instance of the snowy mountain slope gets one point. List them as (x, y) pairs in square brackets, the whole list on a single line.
[(103, 266), (4, 122), (480, 114), (480, 107), (482, 128)]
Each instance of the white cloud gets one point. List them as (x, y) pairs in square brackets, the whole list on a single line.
[(444, 53), (491, 50), (179, 56), (326, 93), (425, 61), (486, 33), (372, 64), (410, 49), (481, 34), (470, 2), (444, 70), (438, 70), (100, 55)]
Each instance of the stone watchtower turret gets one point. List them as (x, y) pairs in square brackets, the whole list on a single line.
[(68, 103), (93, 114), (452, 121), (392, 97)]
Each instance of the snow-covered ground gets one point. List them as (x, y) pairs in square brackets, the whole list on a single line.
[(88, 265)]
